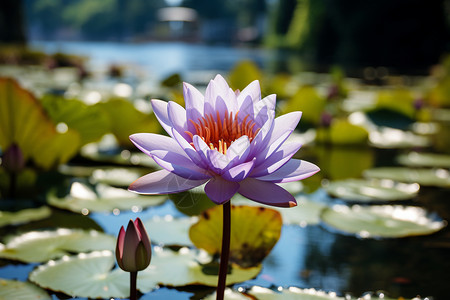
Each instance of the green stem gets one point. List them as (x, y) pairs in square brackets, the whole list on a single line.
[(133, 280), (225, 253)]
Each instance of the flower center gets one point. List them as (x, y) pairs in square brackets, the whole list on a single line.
[(219, 133)]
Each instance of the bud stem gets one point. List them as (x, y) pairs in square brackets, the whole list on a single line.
[(225, 253), (133, 280)]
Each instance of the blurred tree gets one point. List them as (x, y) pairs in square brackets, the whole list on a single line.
[(403, 34), (11, 22)]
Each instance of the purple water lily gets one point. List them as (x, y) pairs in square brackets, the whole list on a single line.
[(229, 140)]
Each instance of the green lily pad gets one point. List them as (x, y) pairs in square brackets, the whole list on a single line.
[(389, 138), (40, 246), (254, 232), (19, 290), (170, 231), (84, 275), (426, 177), (417, 159), (23, 121), (92, 275), (186, 267), (342, 132), (117, 176), (229, 295), (363, 190), (24, 216), (306, 212), (307, 100), (84, 198), (243, 73), (386, 221), (293, 293)]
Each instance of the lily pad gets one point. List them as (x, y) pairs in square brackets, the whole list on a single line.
[(385, 221), (187, 267), (84, 198), (389, 138), (306, 212), (23, 121), (170, 231), (84, 275), (363, 190), (24, 216), (40, 246), (426, 177), (229, 295), (342, 132), (19, 290), (293, 293), (417, 159), (122, 177), (92, 275), (254, 232)]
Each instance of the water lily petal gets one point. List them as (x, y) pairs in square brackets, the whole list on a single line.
[(202, 149), (179, 164), (130, 244), (240, 148), (293, 170), (160, 111), (220, 190), (147, 142), (276, 160), (217, 161), (194, 104), (189, 149), (177, 116), (223, 91), (266, 192), (239, 172), (163, 182), (251, 91)]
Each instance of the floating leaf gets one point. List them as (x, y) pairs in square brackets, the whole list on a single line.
[(293, 293), (362, 190), (89, 121), (39, 246), (84, 198), (342, 132), (388, 138), (84, 275), (92, 275), (427, 177), (398, 100), (307, 100), (170, 231), (243, 73), (229, 294), (417, 159), (126, 119), (254, 232), (306, 212), (24, 215), (387, 221), (23, 121), (18, 290), (117, 176), (186, 267)]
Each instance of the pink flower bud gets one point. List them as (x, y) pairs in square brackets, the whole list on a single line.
[(133, 249)]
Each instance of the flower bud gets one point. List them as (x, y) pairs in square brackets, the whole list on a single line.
[(13, 160), (133, 249)]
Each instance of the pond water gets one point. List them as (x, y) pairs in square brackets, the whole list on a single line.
[(309, 256)]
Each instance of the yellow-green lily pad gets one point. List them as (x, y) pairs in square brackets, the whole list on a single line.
[(342, 132), (40, 246), (168, 231), (293, 293), (254, 232), (186, 267), (385, 221), (24, 215), (364, 190), (426, 177), (19, 290), (84, 198), (417, 159)]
